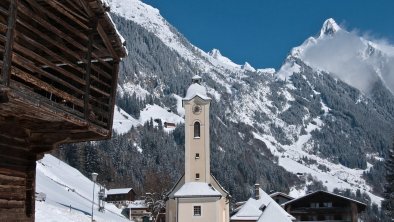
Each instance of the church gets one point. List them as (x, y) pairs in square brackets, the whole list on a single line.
[(197, 196)]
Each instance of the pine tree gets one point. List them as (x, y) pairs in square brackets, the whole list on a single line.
[(388, 203)]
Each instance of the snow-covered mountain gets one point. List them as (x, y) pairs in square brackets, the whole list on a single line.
[(68, 195), (355, 60), (327, 112)]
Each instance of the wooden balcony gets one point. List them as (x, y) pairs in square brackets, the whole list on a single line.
[(59, 63)]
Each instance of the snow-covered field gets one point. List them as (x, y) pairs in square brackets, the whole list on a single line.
[(66, 188)]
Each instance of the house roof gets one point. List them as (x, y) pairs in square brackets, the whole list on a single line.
[(197, 189), (119, 191), (264, 209), (281, 194), (360, 204)]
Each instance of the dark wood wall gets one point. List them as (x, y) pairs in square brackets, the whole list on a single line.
[(17, 186)]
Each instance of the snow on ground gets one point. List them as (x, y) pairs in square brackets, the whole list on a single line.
[(123, 121), (157, 112), (338, 176), (179, 109), (131, 88), (65, 188)]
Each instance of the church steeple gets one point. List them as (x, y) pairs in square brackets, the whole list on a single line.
[(197, 141)]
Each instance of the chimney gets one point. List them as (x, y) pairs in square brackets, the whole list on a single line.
[(256, 191)]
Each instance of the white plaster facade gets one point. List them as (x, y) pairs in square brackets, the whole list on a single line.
[(197, 189)]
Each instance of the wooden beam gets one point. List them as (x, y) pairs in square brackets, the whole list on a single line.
[(50, 110), (115, 71), (75, 7), (26, 63), (45, 24), (45, 86), (7, 58), (89, 69), (30, 205), (91, 15), (107, 41), (56, 56), (69, 13), (62, 47), (60, 21)]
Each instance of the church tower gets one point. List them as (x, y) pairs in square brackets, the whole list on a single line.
[(197, 196), (197, 143)]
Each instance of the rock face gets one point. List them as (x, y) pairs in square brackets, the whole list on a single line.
[(266, 126)]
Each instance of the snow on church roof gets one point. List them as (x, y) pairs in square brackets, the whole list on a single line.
[(196, 89), (197, 189), (196, 77), (265, 209)]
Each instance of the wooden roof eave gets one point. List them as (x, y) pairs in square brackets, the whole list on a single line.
[(106, 27)]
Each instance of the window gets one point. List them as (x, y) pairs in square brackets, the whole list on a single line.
[(197, 210), (197, 176), (197, 156), (196, 130)]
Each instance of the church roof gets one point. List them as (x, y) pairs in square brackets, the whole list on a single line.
[(197, 189), (194, 90), (262, 210)]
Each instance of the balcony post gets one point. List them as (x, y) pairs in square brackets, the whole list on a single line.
[(7, 58), (92, 31)]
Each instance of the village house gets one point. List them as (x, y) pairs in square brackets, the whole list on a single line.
[(139, 211), (260, 208), (120, 196), (59, 70), (197, 196), (323, 206)]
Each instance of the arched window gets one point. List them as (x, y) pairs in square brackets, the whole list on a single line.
[(196, 129)]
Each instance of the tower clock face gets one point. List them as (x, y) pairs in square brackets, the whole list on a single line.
[(196, 109)]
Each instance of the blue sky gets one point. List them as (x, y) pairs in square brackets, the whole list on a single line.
[(262, 32)]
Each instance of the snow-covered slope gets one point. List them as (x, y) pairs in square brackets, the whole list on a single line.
[(123, 121), (66, 188)]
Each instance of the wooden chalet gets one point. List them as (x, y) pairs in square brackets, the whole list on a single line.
[(59, 68), (120, 196), (324, 206)]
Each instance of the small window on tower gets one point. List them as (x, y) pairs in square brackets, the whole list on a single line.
[(197, 210), (197, 156), (197, 176), (196, 130)]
